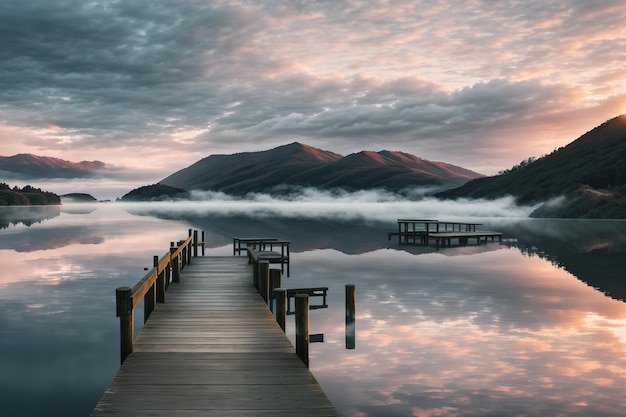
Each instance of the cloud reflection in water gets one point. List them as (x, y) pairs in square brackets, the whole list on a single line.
[(494, 333)]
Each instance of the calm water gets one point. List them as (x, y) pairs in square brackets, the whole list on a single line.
[(519, 329)]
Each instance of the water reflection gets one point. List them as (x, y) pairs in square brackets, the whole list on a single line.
[(489, 334), (59, 346), (470, 331), (13, 216), (592, 250)]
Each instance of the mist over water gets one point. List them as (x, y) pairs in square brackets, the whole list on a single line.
[(339, 205)]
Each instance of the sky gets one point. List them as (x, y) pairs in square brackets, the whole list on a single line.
[(151, 86)]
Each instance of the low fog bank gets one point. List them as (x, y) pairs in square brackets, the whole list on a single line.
[(377, 206)]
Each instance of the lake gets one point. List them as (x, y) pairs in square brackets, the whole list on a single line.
[(534, 326)]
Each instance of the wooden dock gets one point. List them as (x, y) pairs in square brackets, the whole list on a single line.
[(442, 233), (213, 348)]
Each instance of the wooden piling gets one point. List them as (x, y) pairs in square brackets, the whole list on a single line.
[(160, 282), (280, 295), (175, 264), (148, 302), (255, 273), (195, 243), (350, 316), (264, 279), (168, 274), (302, 327), (124, 310), (275, 275)]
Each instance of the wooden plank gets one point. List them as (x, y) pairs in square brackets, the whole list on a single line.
[(213, 349)]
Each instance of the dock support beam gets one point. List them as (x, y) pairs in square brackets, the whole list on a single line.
[(264, 280), (124, 310), (302, 327), (160, 282), (275, 279), (280, 294)]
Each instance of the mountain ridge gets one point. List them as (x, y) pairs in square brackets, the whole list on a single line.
[(301, 165), (30, 166), (586, 178)]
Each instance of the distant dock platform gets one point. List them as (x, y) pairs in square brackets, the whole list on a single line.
[(441, 233)]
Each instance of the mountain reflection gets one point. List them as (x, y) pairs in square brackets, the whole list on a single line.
[(592, 250)]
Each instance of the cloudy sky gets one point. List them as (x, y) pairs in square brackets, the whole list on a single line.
[(151, 86)]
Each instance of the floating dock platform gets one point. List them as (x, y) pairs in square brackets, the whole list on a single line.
[(441, 233)]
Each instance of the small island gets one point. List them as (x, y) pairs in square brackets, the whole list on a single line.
[(78, 198), (156, 192), (27, 196)]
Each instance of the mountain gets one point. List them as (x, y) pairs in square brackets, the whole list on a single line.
[(28, 166), (385, 169), (587, 177), (299, 165), (250, 171)]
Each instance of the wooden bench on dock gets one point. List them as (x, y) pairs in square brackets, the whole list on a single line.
[(240, 244), (267, 250), (209, 346)]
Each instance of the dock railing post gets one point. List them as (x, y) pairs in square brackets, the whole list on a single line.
[(255, 274), (203, 242), (350, 316), (160, 282), (183, 255), (175, 263), (275, 278), (302, 327), (168, 273), (264, 279), (148, 302), (124, 310), (195, 243), (280, 295)]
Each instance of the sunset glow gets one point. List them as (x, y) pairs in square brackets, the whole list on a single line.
[(149, 87)]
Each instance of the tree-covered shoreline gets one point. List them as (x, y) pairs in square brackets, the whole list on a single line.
[(26, 196)]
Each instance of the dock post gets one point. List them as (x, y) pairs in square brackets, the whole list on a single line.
[(148, 302), (124, 310), (195, 243), (302, 327), (183, 257), (160, 282), (175, 263), (255, 274), (274, 283), (264, 279), (280, 295), (168, 273), (203, 242), (350, 316)]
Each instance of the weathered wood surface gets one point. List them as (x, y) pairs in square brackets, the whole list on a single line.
[(213, 349)]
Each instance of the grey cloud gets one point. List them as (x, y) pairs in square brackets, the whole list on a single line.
[(399, 111), (133, 73)]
